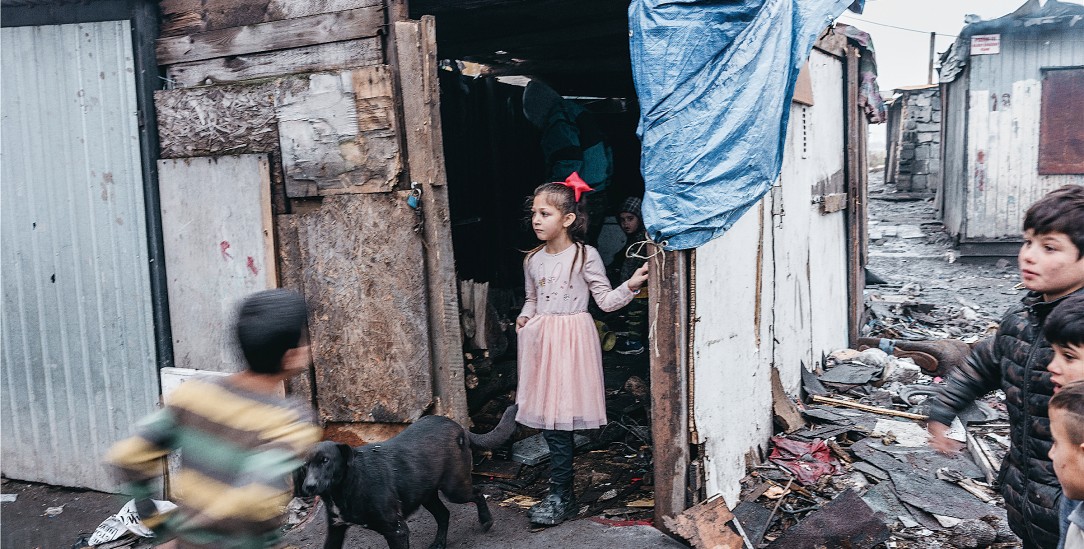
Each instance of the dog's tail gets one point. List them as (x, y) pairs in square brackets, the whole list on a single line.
[(500, 433)]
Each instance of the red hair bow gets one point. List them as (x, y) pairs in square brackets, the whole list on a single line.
[(577, 184)]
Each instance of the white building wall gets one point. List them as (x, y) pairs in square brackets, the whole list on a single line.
[(771, 292)]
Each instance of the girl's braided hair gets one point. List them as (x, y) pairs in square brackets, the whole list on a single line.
[(563, 198)]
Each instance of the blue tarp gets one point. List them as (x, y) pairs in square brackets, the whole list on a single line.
[(715, 80)]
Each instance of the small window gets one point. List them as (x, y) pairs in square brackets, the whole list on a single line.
[(1061, 125)]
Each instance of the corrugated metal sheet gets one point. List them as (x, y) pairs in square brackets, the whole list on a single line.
[(1002, 147), (78, 353)]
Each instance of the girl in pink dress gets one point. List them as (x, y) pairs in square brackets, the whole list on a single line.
[(560, 360)]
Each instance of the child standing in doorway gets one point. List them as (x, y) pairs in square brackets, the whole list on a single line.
[(560, 385)]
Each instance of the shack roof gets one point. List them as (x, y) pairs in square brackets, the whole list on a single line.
[(1031, 17)]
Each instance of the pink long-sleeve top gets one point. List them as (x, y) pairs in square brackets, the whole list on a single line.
[(555, 287)]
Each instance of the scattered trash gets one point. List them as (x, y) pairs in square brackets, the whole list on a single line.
[(126, 523), (846, 521), (704, 526), (533, 450), (8, 498), (53, 511)]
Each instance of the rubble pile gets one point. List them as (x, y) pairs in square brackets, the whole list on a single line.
[(856, 471)]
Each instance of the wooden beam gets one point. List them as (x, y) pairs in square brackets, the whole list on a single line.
[(668, 304), (275, 35), (321, 57), (855, 166), (416, 57)]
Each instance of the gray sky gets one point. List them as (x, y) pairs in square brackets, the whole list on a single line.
[(903, 55)]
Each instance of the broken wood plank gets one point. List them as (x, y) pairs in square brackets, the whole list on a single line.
[(291, 277), (704, 526), (859, 406), (784, 411), (316, 58), (274, 35), (981, 455), (846, 521)]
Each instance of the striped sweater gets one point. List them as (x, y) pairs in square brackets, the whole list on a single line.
[(238, 450)]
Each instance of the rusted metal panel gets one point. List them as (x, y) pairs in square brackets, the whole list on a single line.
[(217, 214), (368, 317), (1061, 123), (78, 352)]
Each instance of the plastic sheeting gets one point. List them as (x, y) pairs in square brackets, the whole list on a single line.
[(714, 82)]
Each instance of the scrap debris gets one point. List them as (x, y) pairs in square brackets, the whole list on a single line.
[(858, 472)]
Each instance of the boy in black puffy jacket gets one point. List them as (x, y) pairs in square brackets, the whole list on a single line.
[(1051, 262)]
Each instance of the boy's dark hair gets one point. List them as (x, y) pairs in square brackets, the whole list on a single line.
[(1065, 325), (1062, 211), (269, 323), (1071, 399)]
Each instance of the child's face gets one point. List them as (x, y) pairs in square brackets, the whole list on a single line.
[(1068, 458), (1067, 366), (630, 224), (1050, 264), (547, 221)]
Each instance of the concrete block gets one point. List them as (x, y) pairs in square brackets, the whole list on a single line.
[(925, 137), (910, 125), (930, 127), (922, 153), (907, 154), (936, 117), (920, 167), (918, 182)]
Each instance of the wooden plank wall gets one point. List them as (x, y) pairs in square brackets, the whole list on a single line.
[(417, 60), (304, 83)]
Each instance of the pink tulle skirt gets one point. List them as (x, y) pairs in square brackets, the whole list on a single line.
[(560, 374)]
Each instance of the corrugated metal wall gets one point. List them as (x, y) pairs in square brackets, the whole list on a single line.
[(1000, 172), (78, 352)]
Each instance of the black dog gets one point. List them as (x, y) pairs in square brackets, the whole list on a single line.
[(379, 485)]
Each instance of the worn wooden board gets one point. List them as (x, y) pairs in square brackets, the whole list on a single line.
[(219, 119), (216, 212), (180, 17), (288, 258), (416, 59), (338, 133), (668, 318), (369, 325), (274, 35), (317, 58)]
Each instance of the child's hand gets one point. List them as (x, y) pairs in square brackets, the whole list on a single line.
[(638, 279), (939, 441), (520, 323)]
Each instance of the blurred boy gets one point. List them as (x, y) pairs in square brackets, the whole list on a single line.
[(1067, 454), (1015, 360), (1065, 332), (240, 440)]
